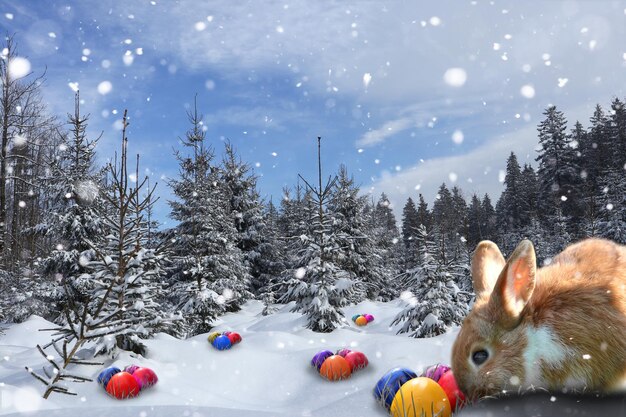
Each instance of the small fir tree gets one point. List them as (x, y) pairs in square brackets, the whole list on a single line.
[(435, 302), (319, 286)]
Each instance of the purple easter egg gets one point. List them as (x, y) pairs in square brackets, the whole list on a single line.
[(319, 358), (368, 317), (435, 372), (131, 369), (226, 333), (343, 352)]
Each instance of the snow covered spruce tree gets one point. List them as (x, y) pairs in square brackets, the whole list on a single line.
[(509, 206), (75, 212), (475, 221), (589, 173), (292, 223), (121, 263), (510, 202), (450, 219), (318, 285), (357, 254), (612, 213), (271, 261), (209, 276), (120, 277), (249, 218), (410, 225), (490, 219), (384, 232), (558, 173), (434, 300)]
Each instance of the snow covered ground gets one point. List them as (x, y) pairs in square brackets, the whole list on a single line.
[(268, 374)]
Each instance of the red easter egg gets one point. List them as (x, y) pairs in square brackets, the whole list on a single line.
[(145, 377), (123, 385), (455, 396), (356, 360), (234, 338)]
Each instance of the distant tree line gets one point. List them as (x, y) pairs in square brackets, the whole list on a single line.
[(577, 191)]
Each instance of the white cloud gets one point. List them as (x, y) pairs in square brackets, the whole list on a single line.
[(275, 117), (481, 165), (419, 115), (406, 64), (389, 129)]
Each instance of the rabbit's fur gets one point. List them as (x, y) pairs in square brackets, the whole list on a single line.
[(559, 327)]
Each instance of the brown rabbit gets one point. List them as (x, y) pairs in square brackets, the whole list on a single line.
[(559, 327)]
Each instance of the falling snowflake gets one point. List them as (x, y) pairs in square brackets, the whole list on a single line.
[(87, 191), (128, 58), (455, 77), (105, 87), (19, 67), (367, 78), (527, 91), (19, 141), (457, 137)]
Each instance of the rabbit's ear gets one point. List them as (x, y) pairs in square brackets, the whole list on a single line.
[(487, 264), (516, 283)]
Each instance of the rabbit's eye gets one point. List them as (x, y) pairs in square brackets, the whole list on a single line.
[(480, 356)]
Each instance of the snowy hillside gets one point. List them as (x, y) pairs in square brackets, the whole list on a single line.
[(268, 374)]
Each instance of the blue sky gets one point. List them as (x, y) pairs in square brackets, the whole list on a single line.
[(407, 94)]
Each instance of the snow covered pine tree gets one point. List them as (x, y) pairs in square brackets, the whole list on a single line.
[(120, 305), (209, 274), (318, 285), (434, 300)]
